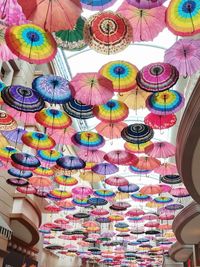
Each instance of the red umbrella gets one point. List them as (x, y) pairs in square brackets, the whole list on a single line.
[(121, 157), (160, 121), (116, 181), (134, 212), (151, 189), (147, 163)]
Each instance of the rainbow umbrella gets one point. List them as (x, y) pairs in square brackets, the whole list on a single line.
[(146, 24), (107, 32), (25, 160), (70, 163), (83, 202), (49, 156), (72, 40), (61, 194), (91, 88), (53, 89), (116, 181), (65, 180), (157, 77), (22, 98), (38, 140), (183, 17), (6, 152), (171, 179), (121, 73), (104, 193), (91, 155), (14, 135), (111, 130), (61, 171), (160, 121), (121, 157), (130, 188), (77, 110), (89, 140), (105, 168), (163, 200), (112, 112), (146, 4), (165, 103), (160, 150), (31, 43), (7, 122), (137, 133), (53, 118), (19, 173), (43, 171), (97, 5), (133, 148)]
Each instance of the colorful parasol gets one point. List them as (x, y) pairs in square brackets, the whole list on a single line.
[(70, 163), (91, 177), (52, 16), (185, 56), (99, 212), (62, 137), (111, 130), (49, 156), (19, 173), (22, 98), (151, 190), (183, 16), (88, 140), (40, 182), (160, 121), (105, 168), (160, 150), (97, 201), (146, 24), (6, 152), (165, 103), (60, 194), (121, 73), (29, 189), (53, 89), (25, 160), (53, 118), (133, 148), (146, 4), (91, 88), (157, 77), (43, 171), (163, 200), (121, 157), (91, 155), (174, 207), (82, 191), (97, 5), (66, 204), (179, 192), (21, 116), (77, 110), (104, 193), (147, 163), (14, 135), (166, 169), (134, 212), (112, 112), (107, 32), (136, 170), (53, 209), (17, 182), (137, 133), (81, 202), (31, 43), (116, 181), (171, 179), (72, 40), (7, 122), (38, 140), (65, 180), (130, 188)]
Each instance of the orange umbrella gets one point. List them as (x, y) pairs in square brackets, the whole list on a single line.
[(151, 190), (40, 181), (147, 163), (111, 130)]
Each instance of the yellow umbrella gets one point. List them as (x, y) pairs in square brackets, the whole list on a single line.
[(91, 177), (3, 141)]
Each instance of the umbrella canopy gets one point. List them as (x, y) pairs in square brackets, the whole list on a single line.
[(179, 192), (166, 169), (7, 122), (113, 111), (160, 121), (25, 160), (31, 43), (133, 148), (91, 88), (121, 157), (121, 73), (88, 140), (130, 188), (151, 189), (62, 136), (91, 177), (171, 179), (19, 173), (72, 40), (82, 191), (22, 98), (110, 130), (43, 171), (105, 168), (70, 163), (98, 5), (183, 17), (65, 180), (146, 24), (146, 4), (160, 150), (14, 135), (165, 103), (147, 163), (91, 155), (21, 116), (116, 181), (6, 152), (38, 140), (104, 193), (54, 89), (107, 32), (49, 156), (29, 189), (185, 56), (52, 15), (157, 77), (17, 182)]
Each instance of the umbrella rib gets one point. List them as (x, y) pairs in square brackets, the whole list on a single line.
[(66, 15)]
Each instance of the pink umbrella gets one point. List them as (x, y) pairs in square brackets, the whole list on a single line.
[(82, 191), (52, 208), (121, 157), (29, 189), (185, 56), (146, 4), (152, 224), (91, 88), (165, 188), (91, 155), (116, 181), (27, 118), (99, 212), (146, 24), (147, 163), (167, 217), (149, 217), (111, 130), (134, 212), (62, 136), (160, 150), (179, 192), (166, 169), (151, 190)]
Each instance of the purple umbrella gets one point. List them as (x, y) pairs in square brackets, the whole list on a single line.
[(17, 182), (146, 4), (71, 163), (130, 188), (105, 168), (14, 135), (174, 207)]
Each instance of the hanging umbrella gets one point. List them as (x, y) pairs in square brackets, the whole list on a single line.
[(97, 201), (22, 98), (43, 171), (53, 209), (151, 190), (17, 182), (121, 73), (40, 182), (7, 122), (112, 112), (136, 170), (52, 15), (72, 40), (65, 180), (116, 217), (133, 148), (166, 169), (185, 56), (146, 24), (91, 88), (53, 89), (179, 192), (146, 4), (111, 130), (104, 193), (53, 118), (183, 16), (174, 207), (82, 191), (14, 135), (77, 110), (91, 177), (157, 77), (38, 140), (19, 173), (88, 140), (165, 103), (60, 194), (149, 217), (97, 5), (99, 212), (31, 43), (49, 156), (134, 99), (147, 163), (25, 160), (105, 168), (137, 133), (6, 152), (171, 179), (160, 150), (66, 204), (11, 13), (160, 121), (121, 157), (81, 202), (21, 116), (62, 136), (107, 32), (70, 163), (91, 155), (29, 189), (130, 188), (116, 181), (58, 170), (134, 212), (165, 216), (163, 200)]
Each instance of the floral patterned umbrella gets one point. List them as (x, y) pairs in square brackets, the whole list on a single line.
[(160, 121)]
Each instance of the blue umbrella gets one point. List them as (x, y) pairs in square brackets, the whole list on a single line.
[(98, 5), (130, 188), (25, 160), (71, 163), (105, 168), (19, 173), (97, 201)]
